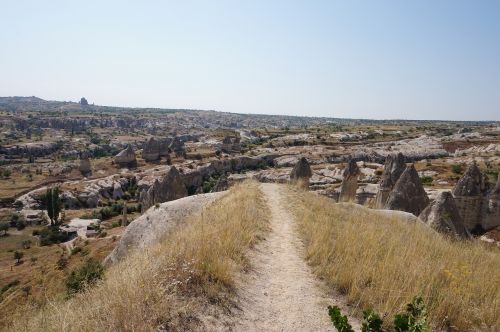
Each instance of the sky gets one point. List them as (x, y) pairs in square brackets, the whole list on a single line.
[(351, 59)]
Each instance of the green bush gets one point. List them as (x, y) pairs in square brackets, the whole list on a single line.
[(457, 169), (75, 250), (51, 235), (340, 321), (414, 319), (426, 180), (4, 227), (86, 275)]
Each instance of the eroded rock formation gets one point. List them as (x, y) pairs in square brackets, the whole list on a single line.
[(151, 150), (349, 182), (393, 168), (408, 193), (169, 188), (470, 193), (443, 216), (126, 158), (85, 167), (492, 215), (301, 172)]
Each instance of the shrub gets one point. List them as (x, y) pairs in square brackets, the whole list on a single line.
[(18, 255), (4, 227), (340, 322), (86, 275), (371, 321), (20, 225), (457, 169), (426, 180), (51, 235), (62, 262), (26, 244), (414, 319), (9, 286), (75, 250)]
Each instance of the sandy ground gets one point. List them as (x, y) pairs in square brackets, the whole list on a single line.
[(281, 293)]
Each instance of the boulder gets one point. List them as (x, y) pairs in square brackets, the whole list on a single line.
[(393, 168), (169, 188), (442, 215), (126, 158), (469, 193), (151, 150), (301, 172), (349, 182), (155, 223), (408, 193)]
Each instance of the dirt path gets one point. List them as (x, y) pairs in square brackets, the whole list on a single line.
[(281, 294)]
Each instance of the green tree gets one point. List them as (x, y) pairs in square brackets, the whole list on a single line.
[(53, 204), (18, 255), (4, 227)]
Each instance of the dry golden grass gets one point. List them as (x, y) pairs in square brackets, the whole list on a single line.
[(382, 263), (173, 285)]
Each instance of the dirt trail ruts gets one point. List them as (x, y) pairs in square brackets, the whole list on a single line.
[(281, 293)]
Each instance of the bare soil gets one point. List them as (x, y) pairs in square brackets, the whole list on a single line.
[(281, 293)]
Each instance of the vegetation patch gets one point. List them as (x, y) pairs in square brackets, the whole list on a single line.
[(171, 286), (381, 263)]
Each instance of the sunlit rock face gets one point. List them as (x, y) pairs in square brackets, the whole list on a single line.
[(408, 193), (301, 172), (442, 215), (349, 182), (169, 188), (393, 168), (126, 158), (470, 195)]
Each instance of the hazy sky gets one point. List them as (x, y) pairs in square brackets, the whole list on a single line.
[(358, 59)]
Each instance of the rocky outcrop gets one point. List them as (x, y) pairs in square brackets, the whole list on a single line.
[(126, 158), (85, 167), (36, 149), (151, 150), (177, 146), (117, 191), (169, 188), (301, 172), (349, 182), (470, 194), (492, 213), (155, 223), (231, 144), (443, 216), (393, 168), (408, 193)]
